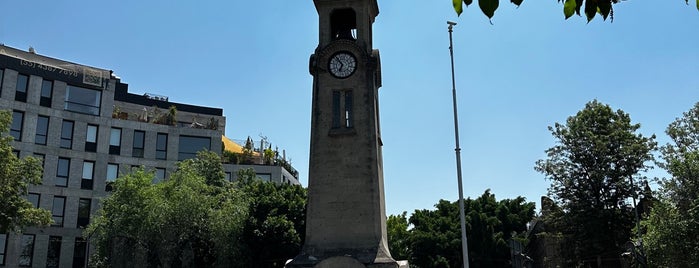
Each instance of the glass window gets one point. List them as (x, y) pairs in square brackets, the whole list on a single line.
[(62, 171), (91, 138), (83, 100), (265, 176), (88, 171), (228, 176), (21, 88), (138, 140), (84, 212), (79, 252), (112, 173), (53, 255), (190, 145), (34, 199), (161, 146), (59, 205), (26, 250), (46, 93), (348, 109), (2, 74), (16, 127), (159, 175), (42, 129), (115, 141), (3, 238), (67, 134)]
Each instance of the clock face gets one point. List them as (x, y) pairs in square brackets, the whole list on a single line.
[(342, 64)]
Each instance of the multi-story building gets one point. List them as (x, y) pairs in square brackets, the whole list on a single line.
[(87, 128)]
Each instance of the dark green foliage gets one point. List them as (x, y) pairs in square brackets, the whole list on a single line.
[(597, 152), (435, 239), (275, 228), (673, 224), (16, 175), (398, 234)]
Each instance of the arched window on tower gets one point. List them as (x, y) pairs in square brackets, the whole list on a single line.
[(344, 24)]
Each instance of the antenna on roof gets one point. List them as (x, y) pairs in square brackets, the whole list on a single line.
[(31, 50)]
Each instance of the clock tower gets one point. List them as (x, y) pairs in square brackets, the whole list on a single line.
[(346, 218)]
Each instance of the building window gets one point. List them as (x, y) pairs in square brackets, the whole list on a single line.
[(46, 93), (83, 100), (42, 129), (53, 255), (21, 88), (34, 199), (190, 145), (2, 74), (3, 238), (67, 134), (16, 127), (138, 141), (161, 146), (84, 212), (265, 176), (88, 173), (91, 138), (79, 252), (16, 153), (342, 109), (26, 250), (115, 141), (58, 209), (159, 175), (112, 173), (62, 171), (228, 177)]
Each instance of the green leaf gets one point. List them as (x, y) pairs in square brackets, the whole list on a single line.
[(578, 5), (569, 8), (488, 7), (516, 2), (468, 2), (697, 4), (458, 7), (605, 6), (590, 9)]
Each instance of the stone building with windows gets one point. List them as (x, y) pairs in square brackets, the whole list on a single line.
[(87, 128)]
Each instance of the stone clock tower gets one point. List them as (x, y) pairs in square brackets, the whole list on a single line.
[(346, 218)]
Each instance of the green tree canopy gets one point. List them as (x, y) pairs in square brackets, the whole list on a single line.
[(435, 239), (570, 7), (188, 220), (15, 177), (673, 223), (275, 228), (597, 153)]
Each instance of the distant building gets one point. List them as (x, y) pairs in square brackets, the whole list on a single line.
[(89, 129)]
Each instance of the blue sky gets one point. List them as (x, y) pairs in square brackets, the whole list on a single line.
[(528, 70)]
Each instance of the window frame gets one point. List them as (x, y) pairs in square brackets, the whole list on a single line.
[(84, 220), (79, 252), (72, 104), (21, 91), (55, 215), (44, 135), (44, 100), (139, 141), (87, 180), (53, 252), (13, 130), (91, 138), (38, 199), (67, 142), (60, 174), (187, 154), (3, 244), (161, 151), (108, 180), (23, 250), (115, 147)]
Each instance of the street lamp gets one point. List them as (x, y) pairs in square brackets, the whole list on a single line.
[(462, 216)]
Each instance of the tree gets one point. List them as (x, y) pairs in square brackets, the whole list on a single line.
[(570, 7), (435, 239), (189, 220), (275, 229), (597, 153), (398, 236), (674, 220), (16, 175)]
